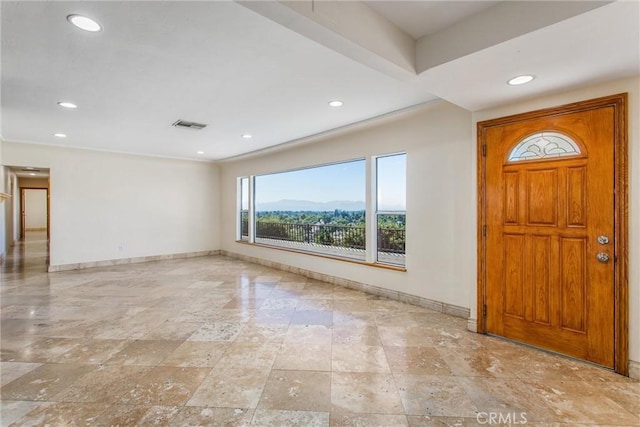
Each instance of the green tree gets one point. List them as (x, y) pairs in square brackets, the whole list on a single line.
[(324, 236)]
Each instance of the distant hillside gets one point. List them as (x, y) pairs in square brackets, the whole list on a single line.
[(307, 205)]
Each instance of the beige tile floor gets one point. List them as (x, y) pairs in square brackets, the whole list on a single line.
[(214, 341)]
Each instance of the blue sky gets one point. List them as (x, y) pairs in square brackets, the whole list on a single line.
[(341, 181), (392, 182)]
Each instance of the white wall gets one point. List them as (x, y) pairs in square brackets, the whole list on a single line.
[(35, 209), (632, 86), (440, 210), (108, 206)]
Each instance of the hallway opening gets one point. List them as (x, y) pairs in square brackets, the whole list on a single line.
[(28, 255)]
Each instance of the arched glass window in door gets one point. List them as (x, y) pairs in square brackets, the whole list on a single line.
[(544, 145)]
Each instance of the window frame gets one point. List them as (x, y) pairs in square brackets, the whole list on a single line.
[(568, 140), (371, 212), (240, 208), (376, 212)]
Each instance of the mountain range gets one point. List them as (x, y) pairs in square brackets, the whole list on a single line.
[(308, 205)]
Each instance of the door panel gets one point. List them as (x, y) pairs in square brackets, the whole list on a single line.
[(541, 268), (511, 190), (541, 206), (514, 304), (543, 283), (573, 283), (576, 187)]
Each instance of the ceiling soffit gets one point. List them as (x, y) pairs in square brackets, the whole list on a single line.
[(363, 34)]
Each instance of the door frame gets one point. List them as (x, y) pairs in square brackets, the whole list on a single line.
[(22, 209), (621, 212)]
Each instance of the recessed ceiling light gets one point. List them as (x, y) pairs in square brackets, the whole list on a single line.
[(84, 23), (59, 135), (32, 174), (200, 152), (246, 136), (336, 103), (520, 80), (67, 104)]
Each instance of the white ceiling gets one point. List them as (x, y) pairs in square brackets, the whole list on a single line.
[(421, 18), (222, 64), (596, 46)]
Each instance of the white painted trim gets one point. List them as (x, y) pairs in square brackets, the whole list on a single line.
[(251, 229), (371, 228), (239, 207), (121, 261), (441, 307)]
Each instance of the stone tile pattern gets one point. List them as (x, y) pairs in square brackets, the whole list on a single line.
[(215, 341)]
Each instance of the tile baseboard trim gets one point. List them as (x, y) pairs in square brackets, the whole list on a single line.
[(135, 260), (441, 307), (634, 369), (472, 324)]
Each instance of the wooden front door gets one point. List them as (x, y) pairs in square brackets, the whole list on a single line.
[(550, 240)]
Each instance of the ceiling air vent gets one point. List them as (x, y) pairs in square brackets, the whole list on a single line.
[(188, 125)]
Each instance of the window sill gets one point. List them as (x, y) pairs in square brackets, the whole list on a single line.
[(325, 256)]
